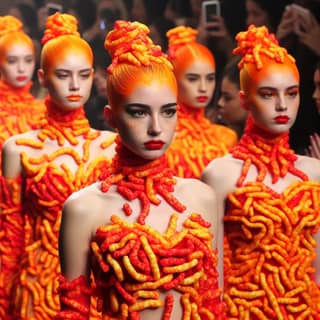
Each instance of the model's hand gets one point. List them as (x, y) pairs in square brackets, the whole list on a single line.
[(314, 148), (309, 32)]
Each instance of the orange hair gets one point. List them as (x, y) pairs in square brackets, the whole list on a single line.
[(184, 50), (260, 49), (60, 37), (11, 33), (135, 60)]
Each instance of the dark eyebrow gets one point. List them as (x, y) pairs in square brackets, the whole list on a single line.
[(197, 74), (67, 70), (274, 89), (141, 105)]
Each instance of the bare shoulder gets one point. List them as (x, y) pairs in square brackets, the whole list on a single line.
[(222, 169), (10, 145), (194, 188), (106, 135), (11, 163), (309, 165), (83, 202)]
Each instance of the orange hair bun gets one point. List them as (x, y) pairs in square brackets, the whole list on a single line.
[(129, 43), (10, 24), (180, 36), (60, 24), (257, 42)]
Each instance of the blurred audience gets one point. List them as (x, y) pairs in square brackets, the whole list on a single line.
[(296, 27), (158, 30), (265, 12), (314, 147), (299, 33), (230, 111)]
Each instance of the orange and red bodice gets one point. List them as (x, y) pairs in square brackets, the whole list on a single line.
[(45, 185), (19, 111), (197, 142), (269, 244)]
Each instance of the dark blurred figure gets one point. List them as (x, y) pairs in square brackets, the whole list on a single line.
[(265, 13), (314, 148), (299, 33), (85, 12), (94, 108), (145, 11), (218, 34), (158, 31), (230, 110)]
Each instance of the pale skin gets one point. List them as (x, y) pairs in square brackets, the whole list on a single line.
[(277, 93), (198, 80), (72, 76), (18, 66), (148, 114)]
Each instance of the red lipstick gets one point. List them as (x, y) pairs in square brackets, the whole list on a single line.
[(74, 97), (21, 78), (154, 144), (202, 99), (281, 119)]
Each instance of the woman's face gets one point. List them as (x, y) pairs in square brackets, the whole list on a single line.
[(146, 121), (69, 82), (256, 15), (18, 66), (316, 92), (274, 100), (197, 84), (229, 104)]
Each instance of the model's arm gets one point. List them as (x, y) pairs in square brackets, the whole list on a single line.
[(208, 178), (74, 252), (11, 163), (221, 175), (75, 237), (216, 229), (12, 223)]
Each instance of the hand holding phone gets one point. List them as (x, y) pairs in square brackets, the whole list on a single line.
[(52, 8), (210, 9)]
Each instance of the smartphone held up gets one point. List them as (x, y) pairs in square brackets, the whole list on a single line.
[(210, 9)]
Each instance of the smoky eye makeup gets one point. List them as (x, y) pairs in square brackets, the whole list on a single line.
[(136, 110)]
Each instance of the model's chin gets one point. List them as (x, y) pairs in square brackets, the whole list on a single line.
[(19, 84)]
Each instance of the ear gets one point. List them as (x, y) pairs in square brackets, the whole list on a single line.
[(108, 116), (41, 78), (243, 100)]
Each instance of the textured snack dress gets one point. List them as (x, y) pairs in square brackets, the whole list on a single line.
[(269, 248), (197, 142), (137, 267), (45, 186), (20, 111)]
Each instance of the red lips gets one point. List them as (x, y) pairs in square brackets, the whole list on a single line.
[(74, 97), (281, 119), (21, 78), (154, 144), (202, 99)]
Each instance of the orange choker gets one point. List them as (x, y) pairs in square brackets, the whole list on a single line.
[(137, 178), (268, 154), (59, 125), (197, 142), (17, 98)]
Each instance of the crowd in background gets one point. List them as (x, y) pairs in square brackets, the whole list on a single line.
[(97, 17)]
